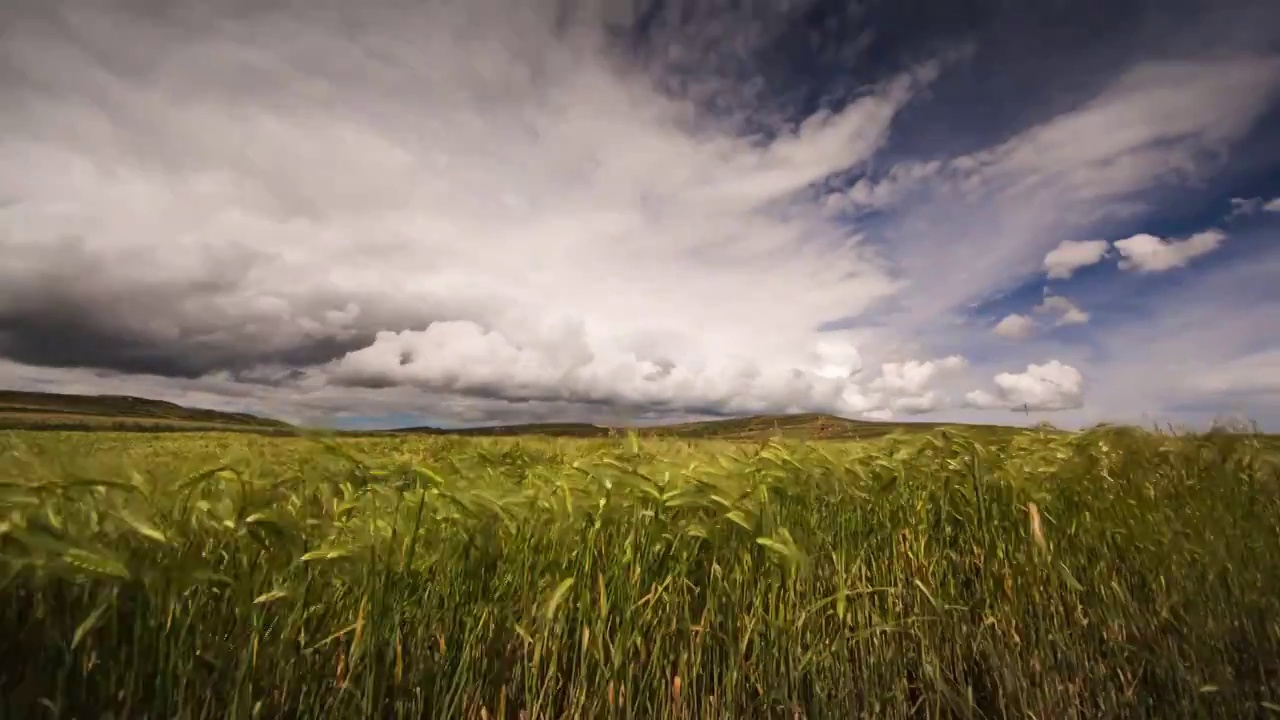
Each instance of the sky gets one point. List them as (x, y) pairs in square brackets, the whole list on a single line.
[(462, 212)]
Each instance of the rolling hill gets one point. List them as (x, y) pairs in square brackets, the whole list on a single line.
[(809, 426), (56, 411)]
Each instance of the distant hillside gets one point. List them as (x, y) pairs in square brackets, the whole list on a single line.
[(549, 429), (55, 411), (801, 426)]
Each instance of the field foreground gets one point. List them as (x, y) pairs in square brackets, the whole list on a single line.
[(1112, 573)]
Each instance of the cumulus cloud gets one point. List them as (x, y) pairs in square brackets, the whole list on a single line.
[(1072, 255), (917, 405), (905, 385), (912, 376), (575, 365), (1149, 254), (1051, 386), (1068, 313), (837, 360), (1015, 326)]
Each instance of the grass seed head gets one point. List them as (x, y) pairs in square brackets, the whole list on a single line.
[(1037, 529)]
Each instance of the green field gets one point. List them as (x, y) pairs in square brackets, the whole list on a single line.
[(1107, 574)]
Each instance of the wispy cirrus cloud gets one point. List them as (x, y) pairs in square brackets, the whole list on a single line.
[(1013, 205)]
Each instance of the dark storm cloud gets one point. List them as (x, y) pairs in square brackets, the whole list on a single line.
[(67, 314), (71, 338)]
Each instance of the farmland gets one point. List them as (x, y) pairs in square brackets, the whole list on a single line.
[(954, 573)]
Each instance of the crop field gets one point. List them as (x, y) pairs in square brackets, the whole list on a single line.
[(1113, 573)]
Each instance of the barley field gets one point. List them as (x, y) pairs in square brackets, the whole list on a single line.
[(1113, 573)]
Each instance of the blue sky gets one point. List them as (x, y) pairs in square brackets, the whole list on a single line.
[(619, 211)]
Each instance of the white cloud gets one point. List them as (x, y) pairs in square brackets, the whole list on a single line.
[(919, 404), (1067, 311), (912, 377), (1015, 327), (1150, 254), (573, 364), (905, 385), (1272, 205), (1051, 386), (837, 360), (1072, 255)]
